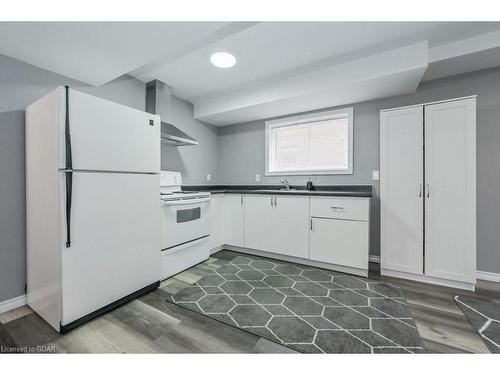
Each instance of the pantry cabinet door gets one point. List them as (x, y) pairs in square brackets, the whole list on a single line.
[(401, 190), (450, 199)]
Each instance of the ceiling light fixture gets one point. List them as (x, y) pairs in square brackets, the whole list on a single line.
[(223, 59)]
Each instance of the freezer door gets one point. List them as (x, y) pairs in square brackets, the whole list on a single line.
[(115, 240), (107, 136)]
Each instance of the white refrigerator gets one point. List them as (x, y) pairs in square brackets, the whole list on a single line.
[(93, 206)]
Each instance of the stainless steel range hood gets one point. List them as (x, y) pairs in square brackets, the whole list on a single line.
[(159, 102)]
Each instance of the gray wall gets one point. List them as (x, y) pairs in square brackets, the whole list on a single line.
[(233, 155), (20, 85), (242, 156), (241, 153), (194, 162), (12, 206)]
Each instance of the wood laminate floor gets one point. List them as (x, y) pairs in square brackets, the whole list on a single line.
[(149, 324)]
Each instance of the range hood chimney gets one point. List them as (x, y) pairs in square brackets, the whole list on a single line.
[(159, 102)]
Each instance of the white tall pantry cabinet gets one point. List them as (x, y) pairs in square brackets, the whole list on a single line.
[(428, 192)]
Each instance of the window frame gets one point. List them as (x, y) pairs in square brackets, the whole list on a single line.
[(303, 119)]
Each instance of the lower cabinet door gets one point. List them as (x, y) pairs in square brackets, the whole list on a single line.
[(217, 220), (233, 219), (259, 222), (291, 226), (341, 242)]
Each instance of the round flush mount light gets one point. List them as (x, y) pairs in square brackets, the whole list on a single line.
[(222, 59)]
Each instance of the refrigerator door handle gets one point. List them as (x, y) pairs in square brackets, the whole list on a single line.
[(67, 134), (69, 190), (68, 170)]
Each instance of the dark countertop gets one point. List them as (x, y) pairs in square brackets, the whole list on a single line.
[(320, 190)]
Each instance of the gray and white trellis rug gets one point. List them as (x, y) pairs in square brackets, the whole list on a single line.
[(308, 309), (484, 316)]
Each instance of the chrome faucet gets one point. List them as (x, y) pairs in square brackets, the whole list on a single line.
[(286, 184)]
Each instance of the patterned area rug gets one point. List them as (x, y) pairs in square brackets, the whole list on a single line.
[(484, 316), (308, 309)]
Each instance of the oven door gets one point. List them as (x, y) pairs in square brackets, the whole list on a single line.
[(184, 221)]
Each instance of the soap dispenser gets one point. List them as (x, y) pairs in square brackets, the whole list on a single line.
[(310, 185)]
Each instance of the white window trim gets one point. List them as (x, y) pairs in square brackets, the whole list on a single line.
[(319, 116)]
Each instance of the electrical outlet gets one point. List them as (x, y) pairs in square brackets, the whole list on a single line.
[(375, 175), (209, 177), (257, 177)]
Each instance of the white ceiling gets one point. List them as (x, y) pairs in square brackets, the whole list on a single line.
[(388, 73), (268, 50), (98, 52), (283, 67)]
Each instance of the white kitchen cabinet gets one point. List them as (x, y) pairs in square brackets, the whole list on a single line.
[(341, 242), (291, 226), (401, 186), (259, 222), (450, 199), (339, 231), (428, 180), (346, 208), (277, 224), (217, 222), (280, 225), (234, 219)]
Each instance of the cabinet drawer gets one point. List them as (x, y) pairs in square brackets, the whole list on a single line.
[(341, 208)]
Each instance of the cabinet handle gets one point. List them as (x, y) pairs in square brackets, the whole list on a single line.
[(311, 224), (271, 201), (337, 208), (428, 190), (420, 190), (241, 199), (275, 201)]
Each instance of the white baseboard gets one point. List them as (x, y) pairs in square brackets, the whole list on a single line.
[(480, 275), (488, 276), (13, 303), (216, 249), (428, 279)]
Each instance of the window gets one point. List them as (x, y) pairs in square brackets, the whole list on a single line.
[(188, 215), (319, 143)]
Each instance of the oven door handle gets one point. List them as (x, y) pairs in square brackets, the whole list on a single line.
[(185, 201)]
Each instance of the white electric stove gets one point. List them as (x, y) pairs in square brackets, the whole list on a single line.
[(185, 225)]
